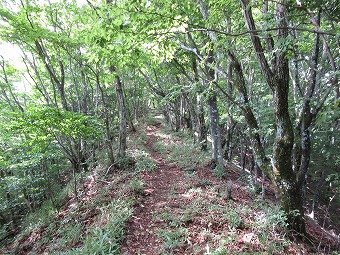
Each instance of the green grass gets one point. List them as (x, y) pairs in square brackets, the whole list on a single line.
[(183, 155), (180, 150), (144, 163), (160, 147), (136, 186), (220, 171), (93, 225), (173, 238), (221, 225), (106, 235)]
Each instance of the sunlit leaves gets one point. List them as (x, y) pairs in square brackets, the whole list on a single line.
[(50, 122)]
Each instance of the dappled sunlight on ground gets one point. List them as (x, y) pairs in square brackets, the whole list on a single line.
[(180, 207)]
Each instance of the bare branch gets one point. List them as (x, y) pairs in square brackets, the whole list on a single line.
[(261, 30), (201, 58)]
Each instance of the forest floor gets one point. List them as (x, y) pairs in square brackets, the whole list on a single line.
[(174, 204), (177, 214)]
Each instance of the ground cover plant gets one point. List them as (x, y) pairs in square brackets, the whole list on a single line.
[(243, 91), (199, 210), (162, 200)]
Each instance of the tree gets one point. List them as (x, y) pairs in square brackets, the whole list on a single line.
[(194, 60), (278, 81)]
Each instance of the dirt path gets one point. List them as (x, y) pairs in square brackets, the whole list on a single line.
[(142, 229)]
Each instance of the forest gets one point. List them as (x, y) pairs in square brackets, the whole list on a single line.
[(109, 108)]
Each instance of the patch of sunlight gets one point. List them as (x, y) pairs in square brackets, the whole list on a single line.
[(167, 139), (163, 136), (137, 153), (159, 117), (192, 193)]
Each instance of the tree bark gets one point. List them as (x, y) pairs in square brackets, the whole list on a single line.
[(58, 81), (201, 128), (278, 81), (109, 136), (9, 86), (122, 114), (257, 147), (217, 155)]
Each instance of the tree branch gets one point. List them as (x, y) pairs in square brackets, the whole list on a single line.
[(260, 30), (194, 50), (267, 72)]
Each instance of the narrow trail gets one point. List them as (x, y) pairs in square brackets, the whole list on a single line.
[(141, 233)]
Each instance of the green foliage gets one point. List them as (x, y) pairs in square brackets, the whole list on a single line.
[(181, 152), (106, 237), (137, 186), (160, 147), (124, 163), (33, 144), (71, 234), (70, 48), (145, 163), (173, 238), (44, 124), (220, 171), (234, 218)]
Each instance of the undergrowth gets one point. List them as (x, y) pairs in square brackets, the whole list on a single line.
[(106, 235), (180, 149), (95, 222), (207, 224), (208, 220)]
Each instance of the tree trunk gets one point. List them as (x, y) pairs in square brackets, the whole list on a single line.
[(229, 140), (59, 82), (290, 190), (257, 147), (217, 155), (201, 128), (278, 81), (307, 115), (109, 136), (122, 114)]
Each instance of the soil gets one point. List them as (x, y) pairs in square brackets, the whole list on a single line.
[(143, 227), (166, 190), (142, 230)]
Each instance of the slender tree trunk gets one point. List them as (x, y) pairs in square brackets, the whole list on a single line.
[(217, 155), (201, 128), (192, 118), (109, 136), (9, 86), (307, 116), (229, 139), (37, 79), (257, 147), (122, 114), (59, 82), (177, 114), (84, 87)]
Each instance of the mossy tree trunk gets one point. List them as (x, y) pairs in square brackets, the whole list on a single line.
[(277, 79)]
